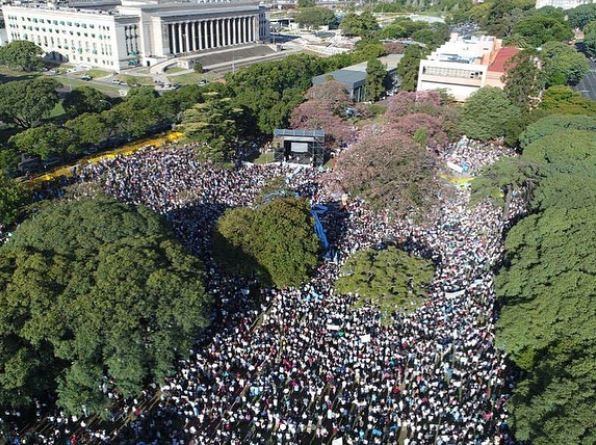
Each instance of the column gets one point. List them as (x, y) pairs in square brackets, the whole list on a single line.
[(170, 38), (182, 37), (191, 32), (234, 41), (178, 38), (211, 39), (222, 32), (245, 28), (187, 36), (201, 35), (252, 28), (196, 35)]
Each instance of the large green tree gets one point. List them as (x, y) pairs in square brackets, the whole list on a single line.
[(12, 197), (376, 80), (546, 289), (85, 100), (538, 29), (561, 99), (391, 171), (391, 278), (363, 25), (581, 15), (487, 114), (314, 17), (554, 124), (94, 293), (274, 242), (523, 80), (45, 140), (562, 64), (590, 38), (26, 103), (21, 54), (214, 125), (90, 129), (409, 65)]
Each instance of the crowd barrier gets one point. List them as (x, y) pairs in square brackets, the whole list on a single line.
[(125, 150)]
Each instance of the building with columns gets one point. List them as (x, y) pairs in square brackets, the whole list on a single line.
[(118, 34)]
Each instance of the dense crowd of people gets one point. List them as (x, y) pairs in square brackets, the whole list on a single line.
[(302, 366)]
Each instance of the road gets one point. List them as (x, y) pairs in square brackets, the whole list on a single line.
[(587, 86)]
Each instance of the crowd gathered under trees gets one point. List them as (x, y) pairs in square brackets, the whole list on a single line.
[(394, 335)]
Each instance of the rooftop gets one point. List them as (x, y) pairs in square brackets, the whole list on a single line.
[(501, 59), (466, 49), (279, 132), (355, 75)]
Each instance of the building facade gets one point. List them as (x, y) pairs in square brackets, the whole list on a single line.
[(463, 65), (563, 4), (115, 35)]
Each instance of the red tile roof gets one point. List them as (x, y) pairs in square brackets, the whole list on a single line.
[(501, 59)]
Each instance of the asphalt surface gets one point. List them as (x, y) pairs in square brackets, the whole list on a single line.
[(587, 86)]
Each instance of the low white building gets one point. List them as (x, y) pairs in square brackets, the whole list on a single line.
[(118, 34), (563, 4), (463, 65)]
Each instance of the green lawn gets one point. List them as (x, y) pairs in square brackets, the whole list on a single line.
[(110, 90), (8, 74), (94, 73), (141, 80), (174, 69), (187, 79)]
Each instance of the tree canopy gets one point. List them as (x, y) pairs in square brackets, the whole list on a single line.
[(214, 124), (25, 103), (523, 80), (362, 25), (409, 65), (45, 141), (562, 64), (561, 99), (12, 197), (94, 293), (555, 123), (391, 171), (314, 17), (85, 100), (274, 242), (391, 278), (21, 54), (590, 38), (581, 15), (376, 80), (547, 323), (537, 29), (320, 114), (546, 286), (487, 114)]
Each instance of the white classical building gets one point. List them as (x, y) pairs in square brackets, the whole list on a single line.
[(118, 34), (563, 4)]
